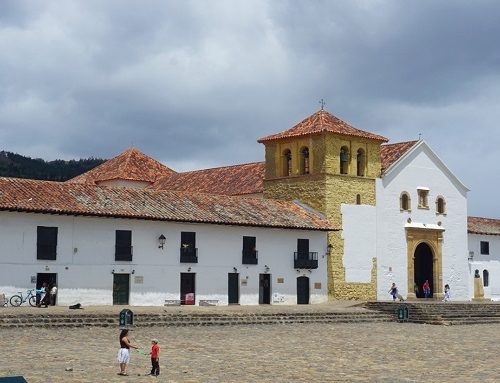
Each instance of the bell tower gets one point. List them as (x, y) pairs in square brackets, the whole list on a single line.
[(324, 162)]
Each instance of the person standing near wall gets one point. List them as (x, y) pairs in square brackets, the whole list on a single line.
[(53, 293), (427, 289)]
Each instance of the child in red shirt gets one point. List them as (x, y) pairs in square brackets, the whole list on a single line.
[(155, 358)]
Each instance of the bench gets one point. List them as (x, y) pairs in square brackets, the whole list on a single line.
[(208, 302), (172, 302)]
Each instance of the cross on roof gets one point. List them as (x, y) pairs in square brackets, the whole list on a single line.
[(322, 103)]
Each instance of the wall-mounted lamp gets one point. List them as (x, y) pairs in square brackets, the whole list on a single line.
[(161, 240), (235, 269), (329, 249), (310, 271), (113, 271), (266, 267), (189, 269), (47, 268), (471, 255), (133, 271)]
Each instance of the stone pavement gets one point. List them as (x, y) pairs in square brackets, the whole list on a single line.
[(352, 352)]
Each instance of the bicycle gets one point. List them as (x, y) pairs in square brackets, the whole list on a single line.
[(18, 300)]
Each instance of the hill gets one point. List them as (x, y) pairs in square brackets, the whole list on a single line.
[(16, 165)]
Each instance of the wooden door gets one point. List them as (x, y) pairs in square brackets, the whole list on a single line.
[(302, 290), (233, 293), (121, 289)]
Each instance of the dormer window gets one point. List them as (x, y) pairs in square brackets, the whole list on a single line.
[(404, 202), (287, 163), (344, 160), (304, 161), (360, 163), (423, 197), (440, 205)]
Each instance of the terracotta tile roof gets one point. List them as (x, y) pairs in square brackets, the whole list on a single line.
[(320, 122), (390, 153), (82, 199), (131, 165), (488, 226), (230, 180)]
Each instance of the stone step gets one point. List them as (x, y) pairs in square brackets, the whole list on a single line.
[(442, 313), (145, 320)]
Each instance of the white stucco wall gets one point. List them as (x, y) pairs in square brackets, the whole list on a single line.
[(421, 168), (359, 234), (490, 262), (86, 259)]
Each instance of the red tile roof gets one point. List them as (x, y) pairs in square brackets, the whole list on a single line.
[(82, 199), (390, 153), (320, 122), (488, 226), (230, 180), (131, 165)]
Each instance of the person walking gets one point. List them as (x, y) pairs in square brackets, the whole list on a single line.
[(155, 358), (124, 352), (427, 289), (394, 292), (446, 293), (44, 296)]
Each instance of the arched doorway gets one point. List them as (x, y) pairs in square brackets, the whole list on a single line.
[(302, 290), (425, 259), (423, 268)]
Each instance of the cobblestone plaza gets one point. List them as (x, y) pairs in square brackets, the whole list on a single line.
[(352, 352)]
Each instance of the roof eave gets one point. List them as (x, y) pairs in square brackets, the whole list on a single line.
[(163, 219)]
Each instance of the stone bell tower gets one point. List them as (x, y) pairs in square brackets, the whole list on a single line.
[(324, 162)]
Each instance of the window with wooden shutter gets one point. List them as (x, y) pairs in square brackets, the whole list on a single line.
[(123, 245), (46, 243)]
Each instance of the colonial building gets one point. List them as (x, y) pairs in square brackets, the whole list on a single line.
[(357, 212), (121, 245), (484, 254), (354, 178)]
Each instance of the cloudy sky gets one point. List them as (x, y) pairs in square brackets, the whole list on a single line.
[(194, 84)]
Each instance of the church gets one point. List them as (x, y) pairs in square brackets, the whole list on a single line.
[(333, 212)]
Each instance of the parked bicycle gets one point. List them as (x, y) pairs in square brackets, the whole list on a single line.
[(18, 300)]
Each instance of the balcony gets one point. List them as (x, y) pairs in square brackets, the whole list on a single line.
[(250, 257), (123, 253), (189, 255), (305, 260)]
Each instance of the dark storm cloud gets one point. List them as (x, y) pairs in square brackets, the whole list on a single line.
[(194, 84)]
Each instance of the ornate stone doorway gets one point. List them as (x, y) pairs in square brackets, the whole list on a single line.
[(425, 260)]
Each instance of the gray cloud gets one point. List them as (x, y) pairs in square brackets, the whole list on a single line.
[(196, 84)]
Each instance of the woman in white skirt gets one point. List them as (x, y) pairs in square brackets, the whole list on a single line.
[(124, 353)]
